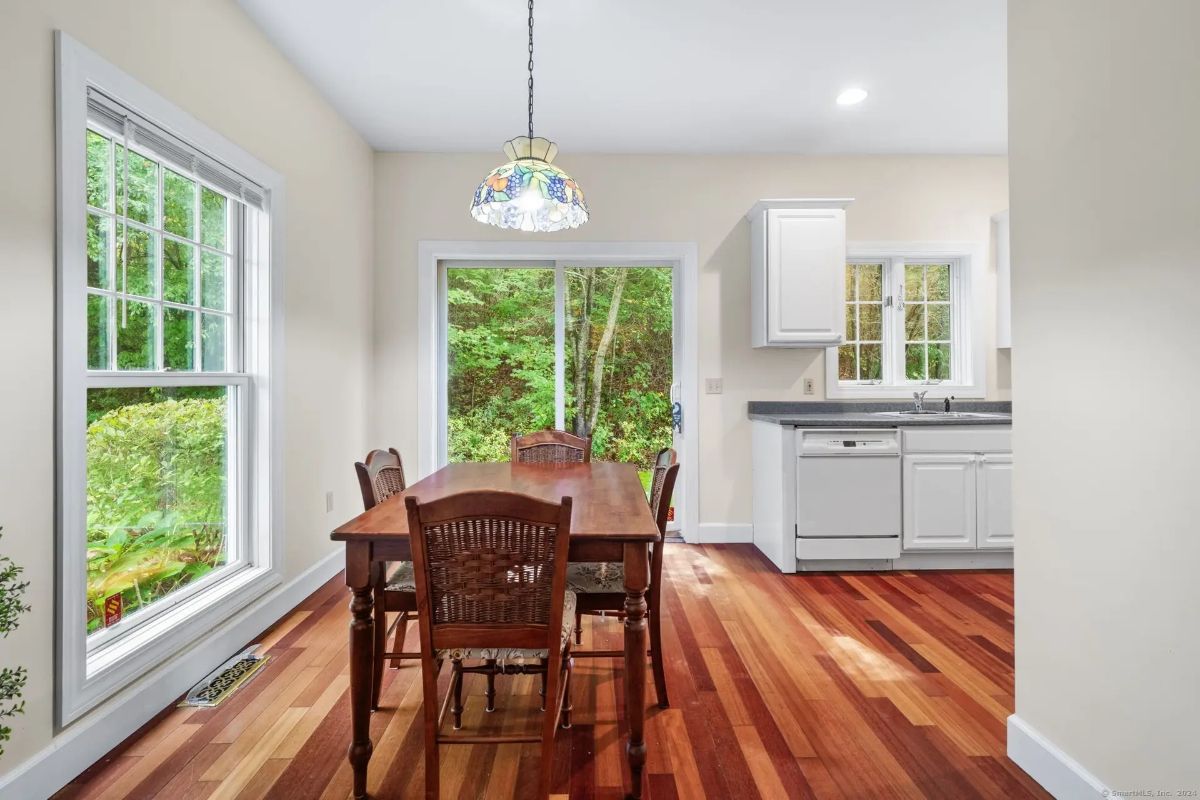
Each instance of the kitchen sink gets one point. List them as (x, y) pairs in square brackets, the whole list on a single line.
[(930, 413)]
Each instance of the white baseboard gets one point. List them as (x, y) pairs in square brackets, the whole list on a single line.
[(913, 561), (1058, 773), (975, 559), (723, 533), (82, 744)]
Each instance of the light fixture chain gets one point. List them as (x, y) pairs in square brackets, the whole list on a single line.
[(531, 70)]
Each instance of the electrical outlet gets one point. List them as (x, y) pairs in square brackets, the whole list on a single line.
[(810, 386), (713, 386), (328, 502)]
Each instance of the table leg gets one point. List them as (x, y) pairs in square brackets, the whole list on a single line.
[(637, 578), (360, 578)]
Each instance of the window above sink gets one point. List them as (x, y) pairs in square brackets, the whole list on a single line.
[(912, 322)]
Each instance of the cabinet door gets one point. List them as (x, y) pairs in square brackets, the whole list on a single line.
[(995, 501), (939, 502), (806, 276)]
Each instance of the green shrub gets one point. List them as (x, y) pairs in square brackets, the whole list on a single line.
[(155, 498), (12, 679)]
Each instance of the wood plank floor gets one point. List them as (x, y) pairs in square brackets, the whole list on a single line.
[(852, 685)]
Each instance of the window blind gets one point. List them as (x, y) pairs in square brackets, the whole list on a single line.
[(121, 121)]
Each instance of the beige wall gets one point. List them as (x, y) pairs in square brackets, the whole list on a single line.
[(1105, 121), (681, 198), (209, 59)]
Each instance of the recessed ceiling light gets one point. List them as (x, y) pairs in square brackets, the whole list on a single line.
[(852, 97)]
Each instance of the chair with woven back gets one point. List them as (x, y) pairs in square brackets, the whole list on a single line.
[(490, 570), (380, 476), (600, 586), (551, 447)]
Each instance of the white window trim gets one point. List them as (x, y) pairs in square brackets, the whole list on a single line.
[(85, 681), (968, 298), (431, 319)]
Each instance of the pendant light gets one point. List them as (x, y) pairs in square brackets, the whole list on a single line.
[(528, 192)]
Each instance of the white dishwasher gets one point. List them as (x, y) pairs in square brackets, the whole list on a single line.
[(847, 494)]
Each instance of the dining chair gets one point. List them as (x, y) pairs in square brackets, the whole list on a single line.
[(551, 447), (380, 476), (490, 570), (600, 585)]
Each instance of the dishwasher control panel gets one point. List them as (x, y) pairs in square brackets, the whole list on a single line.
[(847, 443)]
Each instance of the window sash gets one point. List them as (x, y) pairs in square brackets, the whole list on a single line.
[(854, 310), (238, 493), (237, 512), (232, 314), (902, 305)]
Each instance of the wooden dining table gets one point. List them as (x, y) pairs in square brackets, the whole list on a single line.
[(610, 521)]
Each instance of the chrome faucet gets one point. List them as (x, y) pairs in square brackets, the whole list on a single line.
[(919, 401)]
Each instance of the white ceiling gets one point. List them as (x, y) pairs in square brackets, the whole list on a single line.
[(657, 76)]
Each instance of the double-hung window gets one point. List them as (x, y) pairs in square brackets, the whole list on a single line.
[(909, 325), (165, 340)]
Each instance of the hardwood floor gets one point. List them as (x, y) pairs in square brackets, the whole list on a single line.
[(853, 685)]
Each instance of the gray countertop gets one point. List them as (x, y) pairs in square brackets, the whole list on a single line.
[(862, 414)]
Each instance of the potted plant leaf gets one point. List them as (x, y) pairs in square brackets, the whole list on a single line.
[(12, 679)]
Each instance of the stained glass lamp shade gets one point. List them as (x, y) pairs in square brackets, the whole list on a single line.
[(529, 193)]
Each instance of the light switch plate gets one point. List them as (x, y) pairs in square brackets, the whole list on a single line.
[(713, 386), (328, 502), (810, 386)]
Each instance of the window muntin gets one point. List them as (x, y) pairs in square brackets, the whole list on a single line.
[(164, 390), (920, 328)]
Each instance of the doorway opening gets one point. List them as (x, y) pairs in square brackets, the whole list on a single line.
[(592, 345)]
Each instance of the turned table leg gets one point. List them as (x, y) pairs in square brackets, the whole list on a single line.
[(637, 579), (359, 577)]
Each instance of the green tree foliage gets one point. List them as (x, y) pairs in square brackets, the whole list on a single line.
[(12, 679), (501, 359), (123, 258), (618, 359), (156, 492)]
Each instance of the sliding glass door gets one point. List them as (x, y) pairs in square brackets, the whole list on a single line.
[(587, 349)]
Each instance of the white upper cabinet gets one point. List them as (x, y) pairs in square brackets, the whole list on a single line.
[(1003, 281), (798, 272)]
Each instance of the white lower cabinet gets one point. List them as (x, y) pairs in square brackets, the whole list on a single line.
[(939, 502), (994, 493), (915, 497), (958, 501)]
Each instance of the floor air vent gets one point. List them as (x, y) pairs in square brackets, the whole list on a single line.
[(220, 684)]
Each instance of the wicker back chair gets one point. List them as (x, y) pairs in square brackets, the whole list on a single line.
[(380, 476), (600, 585), (551, 447), (491, 586), (666, 457)]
